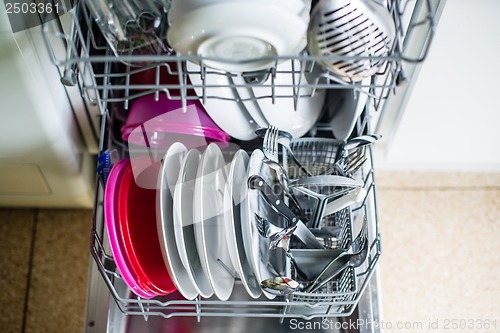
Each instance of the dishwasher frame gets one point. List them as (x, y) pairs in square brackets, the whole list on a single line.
[(104, 87)]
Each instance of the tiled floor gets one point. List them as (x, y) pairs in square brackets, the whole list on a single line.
[(44, 256), (441, 256), (441, 250)]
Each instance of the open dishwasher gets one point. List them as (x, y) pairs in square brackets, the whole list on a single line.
[(302, 166)]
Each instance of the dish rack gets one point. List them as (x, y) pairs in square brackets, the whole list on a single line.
[(111, 79), (107, 81), (337, 298)]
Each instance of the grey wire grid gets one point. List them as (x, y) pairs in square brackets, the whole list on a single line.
[(337, 298), (85, 50)]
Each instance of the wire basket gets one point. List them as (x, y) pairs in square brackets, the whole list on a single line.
[(84, 48), (338, 298)]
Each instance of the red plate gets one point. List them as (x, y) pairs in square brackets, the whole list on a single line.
[(137, 212), (113, 230)]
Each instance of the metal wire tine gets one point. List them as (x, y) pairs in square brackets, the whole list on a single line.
[(352, 158), (353, 169), (231, 272), (363, 233), (265, 142), (354, 163), (261, 228), (353, 155), (275, 133)]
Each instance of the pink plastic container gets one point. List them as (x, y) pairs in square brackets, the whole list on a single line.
[(160, 123)]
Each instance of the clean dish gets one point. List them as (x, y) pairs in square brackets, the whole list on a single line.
[(231, 116), (240, 34), (112, 228), (265, 263), (344, 108), (162, 121), (137, 213), (282, 113), (209, 222), (234, 202), (359, 34), (169, 174), (183, 223), (179, 8)]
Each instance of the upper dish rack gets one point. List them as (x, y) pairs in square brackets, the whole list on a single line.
[(83, 52)]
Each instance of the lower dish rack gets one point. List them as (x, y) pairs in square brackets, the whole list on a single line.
[(338, 298)]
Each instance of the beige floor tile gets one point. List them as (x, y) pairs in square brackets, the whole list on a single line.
[(16, 230), (441, 255), (60, 272)]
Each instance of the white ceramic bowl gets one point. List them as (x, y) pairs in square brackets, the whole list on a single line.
[(238, 36), (179, 8), (282, 112), (229, 115)]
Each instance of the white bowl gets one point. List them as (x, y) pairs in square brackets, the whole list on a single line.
[(238, 36), (282, 113), (179, 8), (231, 116)]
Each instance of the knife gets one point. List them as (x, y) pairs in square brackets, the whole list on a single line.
[(256, 182)]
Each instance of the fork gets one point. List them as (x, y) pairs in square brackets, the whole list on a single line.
[(280, 237), (270, 148), (270, 144)]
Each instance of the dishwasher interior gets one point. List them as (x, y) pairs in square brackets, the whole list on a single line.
[(107, 78)]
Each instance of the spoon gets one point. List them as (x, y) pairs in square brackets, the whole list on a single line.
[(355, 255), (279, 285)]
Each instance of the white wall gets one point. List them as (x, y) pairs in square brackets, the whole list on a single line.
[(452, 120)]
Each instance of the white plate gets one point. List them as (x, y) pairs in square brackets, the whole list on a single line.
[(238, 31), (183, 223), (256, 246), (209, 222), (234, 203), (168, 177), (282, 113), (231, 116)]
